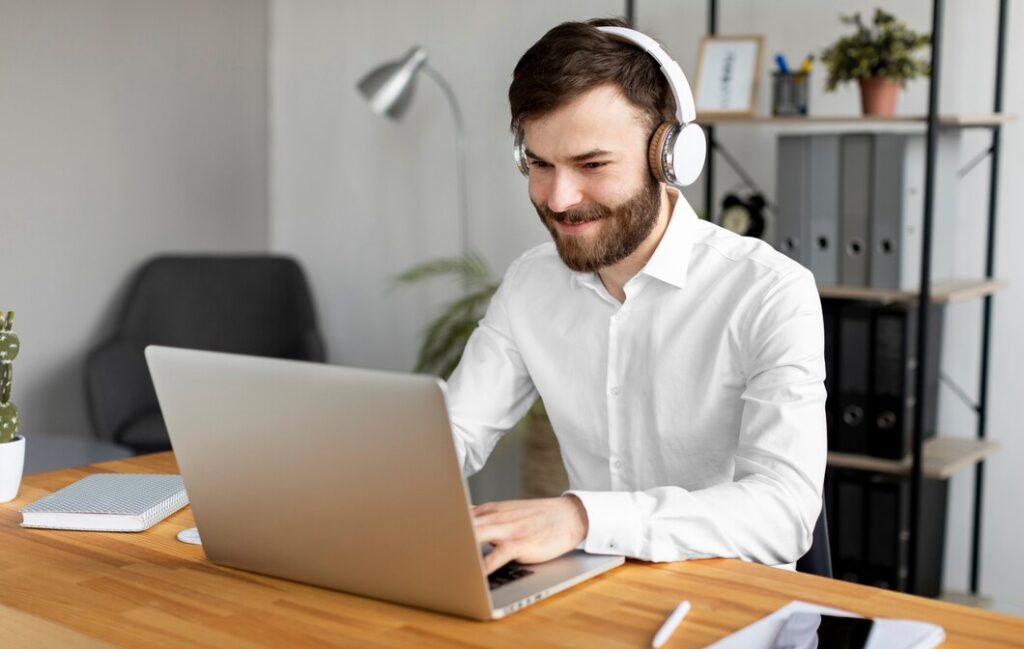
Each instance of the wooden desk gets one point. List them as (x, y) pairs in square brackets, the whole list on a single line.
[(90, 589)]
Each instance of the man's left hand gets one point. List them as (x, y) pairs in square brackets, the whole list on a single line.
[(529, 531)]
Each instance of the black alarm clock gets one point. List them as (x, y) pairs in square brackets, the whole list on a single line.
[(743, 216)]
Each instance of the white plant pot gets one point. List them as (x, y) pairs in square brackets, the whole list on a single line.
[(12, 462)]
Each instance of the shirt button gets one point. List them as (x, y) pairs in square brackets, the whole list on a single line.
[(616, 390), (611, 545), (618, 464)]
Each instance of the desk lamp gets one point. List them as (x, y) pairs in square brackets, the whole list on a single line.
[(389, 87)]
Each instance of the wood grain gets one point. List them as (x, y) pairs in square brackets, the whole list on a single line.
[(101, 590)]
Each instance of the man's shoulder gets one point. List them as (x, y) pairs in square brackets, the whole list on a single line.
[(757, 255)]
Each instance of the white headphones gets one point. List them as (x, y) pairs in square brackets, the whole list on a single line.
[(677, 149)]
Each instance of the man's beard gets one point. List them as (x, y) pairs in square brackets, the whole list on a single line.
[(625, 228)]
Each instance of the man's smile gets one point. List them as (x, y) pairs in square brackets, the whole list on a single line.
[(576, 228)]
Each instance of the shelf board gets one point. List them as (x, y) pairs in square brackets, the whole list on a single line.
[(943, 456), (943, 292), (952, 121)]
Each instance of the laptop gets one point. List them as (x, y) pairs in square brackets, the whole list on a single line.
[(338, 477)]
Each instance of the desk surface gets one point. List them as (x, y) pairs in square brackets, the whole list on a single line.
[(91, 589)]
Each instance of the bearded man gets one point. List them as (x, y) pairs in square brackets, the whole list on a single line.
[(681, 365)]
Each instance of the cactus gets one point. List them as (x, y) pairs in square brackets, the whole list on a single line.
[(9, 347)]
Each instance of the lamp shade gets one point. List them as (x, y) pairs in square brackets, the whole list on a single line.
[(389, 87)]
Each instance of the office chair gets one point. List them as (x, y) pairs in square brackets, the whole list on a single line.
[(818, 559), (258, 305)]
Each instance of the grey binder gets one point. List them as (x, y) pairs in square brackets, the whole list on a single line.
[(897, 211), (888, 217), (791, 189), (823, 208), (855, 210)]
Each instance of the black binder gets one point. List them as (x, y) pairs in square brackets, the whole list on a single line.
[(891, 412), (853, 362), (869, 522), (830, 315)]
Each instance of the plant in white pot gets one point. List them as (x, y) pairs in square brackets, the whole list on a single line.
[(541, 472), (882, 58), (12, 446)]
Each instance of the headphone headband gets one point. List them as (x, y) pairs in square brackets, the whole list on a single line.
[(677, 150), (686, 112)]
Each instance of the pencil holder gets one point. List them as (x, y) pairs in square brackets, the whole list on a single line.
[(790, 93)]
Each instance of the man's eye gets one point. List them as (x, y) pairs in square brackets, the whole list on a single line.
[(594, 165), (539, 164)]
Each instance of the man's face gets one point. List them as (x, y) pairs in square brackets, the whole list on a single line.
[(589, 179)]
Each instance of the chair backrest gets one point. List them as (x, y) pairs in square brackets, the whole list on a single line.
[(255, 304), (818, 559)]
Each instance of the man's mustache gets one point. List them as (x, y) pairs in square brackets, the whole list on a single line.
[(576, 217)]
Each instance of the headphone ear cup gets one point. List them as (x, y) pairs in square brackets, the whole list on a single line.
[(655, 157), (689, 149), (677, 153), (519, 153)]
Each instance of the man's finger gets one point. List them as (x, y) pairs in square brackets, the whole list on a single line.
[(499, 556), (494, 533), (484, 508), (501, 516)]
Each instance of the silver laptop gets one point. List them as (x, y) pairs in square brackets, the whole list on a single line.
[(337, 477)]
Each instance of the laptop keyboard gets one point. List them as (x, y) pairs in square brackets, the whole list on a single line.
[(506, 574)]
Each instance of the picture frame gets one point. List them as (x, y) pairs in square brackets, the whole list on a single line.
[(728, 70)]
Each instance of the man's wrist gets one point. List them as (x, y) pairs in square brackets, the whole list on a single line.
[(582, 518)]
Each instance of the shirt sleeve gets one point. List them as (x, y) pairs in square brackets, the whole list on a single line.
[(768, 511), (491, 389)]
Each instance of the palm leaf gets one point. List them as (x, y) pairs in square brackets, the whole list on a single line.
[(445, 337)]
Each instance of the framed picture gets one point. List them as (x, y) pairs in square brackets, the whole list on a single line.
[(727, 71)]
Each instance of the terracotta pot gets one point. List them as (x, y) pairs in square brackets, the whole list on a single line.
[(878, 96)]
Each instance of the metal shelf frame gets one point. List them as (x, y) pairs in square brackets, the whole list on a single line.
[(925, 293)]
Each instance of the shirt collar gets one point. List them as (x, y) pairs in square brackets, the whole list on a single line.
[(671, 258)]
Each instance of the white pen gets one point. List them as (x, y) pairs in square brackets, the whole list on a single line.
[(673, 620)]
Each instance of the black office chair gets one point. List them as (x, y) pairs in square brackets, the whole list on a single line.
[(818, 559), (258, 305)]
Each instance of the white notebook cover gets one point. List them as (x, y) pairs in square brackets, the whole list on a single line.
[(109, 502)]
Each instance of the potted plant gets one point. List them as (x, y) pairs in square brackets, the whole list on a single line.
[(541, 472), (881, 57), (12, 446)]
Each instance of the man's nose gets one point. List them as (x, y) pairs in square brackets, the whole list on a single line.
[(565, 192)]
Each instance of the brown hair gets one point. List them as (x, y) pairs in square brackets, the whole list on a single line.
[(574, 58)]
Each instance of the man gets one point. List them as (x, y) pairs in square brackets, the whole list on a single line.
[(680, 364)]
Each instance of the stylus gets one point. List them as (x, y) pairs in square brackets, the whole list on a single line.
[(673, 620)]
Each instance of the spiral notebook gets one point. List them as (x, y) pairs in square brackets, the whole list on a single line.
[(109, 502)]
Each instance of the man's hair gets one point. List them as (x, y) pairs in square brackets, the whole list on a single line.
[(574, 58)]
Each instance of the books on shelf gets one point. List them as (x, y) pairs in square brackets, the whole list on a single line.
[(109, 502)]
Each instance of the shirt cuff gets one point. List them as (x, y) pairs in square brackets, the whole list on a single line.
[(614, 523)]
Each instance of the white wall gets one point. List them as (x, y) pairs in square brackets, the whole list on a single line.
[(359, 198), (127, 128)]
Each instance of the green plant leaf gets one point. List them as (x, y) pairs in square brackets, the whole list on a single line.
[(885, 49)]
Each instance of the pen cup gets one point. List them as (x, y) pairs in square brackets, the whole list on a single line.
[(790, 93)]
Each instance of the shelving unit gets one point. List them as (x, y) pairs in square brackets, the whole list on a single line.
[(944, 292), (943, 456), (945, 121), (937, 457)]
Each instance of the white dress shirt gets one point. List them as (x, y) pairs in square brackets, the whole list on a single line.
[(691, 416)]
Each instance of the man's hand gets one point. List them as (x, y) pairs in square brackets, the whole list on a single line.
[(530, 531)]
